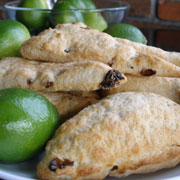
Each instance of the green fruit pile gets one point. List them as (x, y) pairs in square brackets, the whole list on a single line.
[(61, 15), (70, 11), (36, 20)]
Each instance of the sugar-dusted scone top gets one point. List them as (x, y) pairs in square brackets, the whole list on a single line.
[(68, 104), (82, 76), (77, 42), (123, 134), (164, 86)]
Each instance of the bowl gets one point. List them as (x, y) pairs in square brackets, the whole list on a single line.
[(106, 13)]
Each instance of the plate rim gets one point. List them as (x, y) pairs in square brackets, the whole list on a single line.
[(8, 176)]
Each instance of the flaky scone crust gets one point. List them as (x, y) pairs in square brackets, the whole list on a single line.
[(123, 134), (164, 86), (82, 76), (76, 42)]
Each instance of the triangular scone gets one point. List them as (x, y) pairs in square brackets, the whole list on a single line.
[(76, 42), (172, 57), (164, 86), (82, 76), (122, 134), (67, 104)]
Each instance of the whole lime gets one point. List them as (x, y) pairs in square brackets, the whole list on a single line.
[(27, 121), (126, 31), (34, 20), (12, 35)]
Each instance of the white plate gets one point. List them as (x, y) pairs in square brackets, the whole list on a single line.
[(27, 171)]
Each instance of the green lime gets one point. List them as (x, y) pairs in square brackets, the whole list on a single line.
[(95, 21), (12, 35), (126, 31), (34, 20), (27, 121)]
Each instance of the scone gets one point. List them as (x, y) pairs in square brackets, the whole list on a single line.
[(68, 104), (76, 42), (82, 76), (122, 134), (164, 86), (172, 57)]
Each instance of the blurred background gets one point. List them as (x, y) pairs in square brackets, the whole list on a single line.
[(159, 20)]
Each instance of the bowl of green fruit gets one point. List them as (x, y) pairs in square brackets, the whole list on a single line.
[(38, 15)]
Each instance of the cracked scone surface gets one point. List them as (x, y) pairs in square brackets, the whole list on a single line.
[(82, 76), (76, 42), (122, 134)]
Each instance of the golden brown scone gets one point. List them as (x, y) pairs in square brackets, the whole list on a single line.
[(76, 42), (82, 76), (122, 134), (172, 57), (67, 104), (164, 86)]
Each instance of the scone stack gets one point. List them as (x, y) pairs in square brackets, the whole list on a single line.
[(125, 133), (147, 68)]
